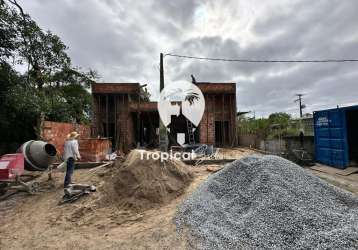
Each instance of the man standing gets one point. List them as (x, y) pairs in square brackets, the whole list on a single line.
[(70, 155)]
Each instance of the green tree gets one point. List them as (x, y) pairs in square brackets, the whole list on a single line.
[(276, 125), (280, 118), (7, 33), (16, 123), (44, 52), (50, 85)]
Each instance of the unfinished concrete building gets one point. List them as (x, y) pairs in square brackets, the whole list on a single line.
[(123, 112)]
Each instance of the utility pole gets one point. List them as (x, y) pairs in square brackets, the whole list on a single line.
[(163, 138), (161, 73), (299, 100)]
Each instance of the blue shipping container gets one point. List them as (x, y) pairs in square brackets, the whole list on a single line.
[(336, 136)]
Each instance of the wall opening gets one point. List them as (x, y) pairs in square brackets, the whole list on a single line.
[(148, 124), (109, 132), (352, 135), (221, 133)]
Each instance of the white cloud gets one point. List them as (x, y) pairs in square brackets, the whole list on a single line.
[(122, 41)]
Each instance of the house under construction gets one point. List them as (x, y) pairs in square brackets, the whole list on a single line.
[(123, 112)]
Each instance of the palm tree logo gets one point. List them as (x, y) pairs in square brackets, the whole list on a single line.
[(178, 95)]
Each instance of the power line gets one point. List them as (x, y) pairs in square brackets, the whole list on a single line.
[(263, 61)]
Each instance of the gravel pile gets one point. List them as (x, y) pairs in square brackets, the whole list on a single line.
[(268, 202)]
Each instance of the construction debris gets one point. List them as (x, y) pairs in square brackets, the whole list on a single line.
[(213, 168), (75, 191), (143, 182), (267, 202)]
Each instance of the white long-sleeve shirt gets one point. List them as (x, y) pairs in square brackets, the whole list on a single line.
[(71, 150)]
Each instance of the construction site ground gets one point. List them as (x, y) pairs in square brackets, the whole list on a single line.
[(347, 182), (38, 222)]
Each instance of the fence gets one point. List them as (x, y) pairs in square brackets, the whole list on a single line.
[(283, 146)]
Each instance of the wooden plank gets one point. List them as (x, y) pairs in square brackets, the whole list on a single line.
[(209, 161), (332, 170)]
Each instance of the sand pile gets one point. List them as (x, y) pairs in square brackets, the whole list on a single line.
[(267, 202), (144, 183)]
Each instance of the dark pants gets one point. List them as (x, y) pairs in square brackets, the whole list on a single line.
[(69, 171)]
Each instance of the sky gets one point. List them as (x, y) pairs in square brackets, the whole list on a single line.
[(122, 40)]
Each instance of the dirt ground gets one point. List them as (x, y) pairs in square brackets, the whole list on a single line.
[(38, 222), (349, 182), (233, 153)]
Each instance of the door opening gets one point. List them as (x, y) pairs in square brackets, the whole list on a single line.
[(352, 134), (221, 133)]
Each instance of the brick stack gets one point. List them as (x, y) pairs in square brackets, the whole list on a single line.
[(94, 150), (56, 132)]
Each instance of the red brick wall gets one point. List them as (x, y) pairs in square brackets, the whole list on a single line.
[(217, 88), (126, 127), (112, 88), (207, 124), (207, 129), (143, 106), (93, 149), (124, 131), (130, 132), (218, 109), (56, 132)]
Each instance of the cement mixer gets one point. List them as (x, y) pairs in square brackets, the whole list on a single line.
[(39, 155), (32, 156)]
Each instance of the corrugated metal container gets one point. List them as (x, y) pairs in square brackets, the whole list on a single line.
[(336, 136)]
